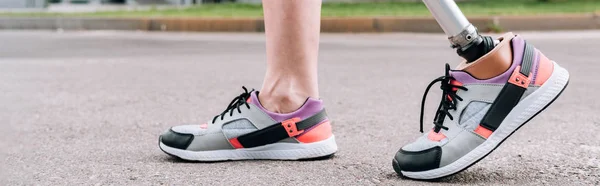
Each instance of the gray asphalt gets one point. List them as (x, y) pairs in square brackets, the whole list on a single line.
[(86, 108)]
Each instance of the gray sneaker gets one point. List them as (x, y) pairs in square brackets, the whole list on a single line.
[(246, 130), (482, 105)]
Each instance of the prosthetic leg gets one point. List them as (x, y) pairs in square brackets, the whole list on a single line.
[(462, 35)]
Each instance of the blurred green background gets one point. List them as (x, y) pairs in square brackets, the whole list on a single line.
[(332, 8)]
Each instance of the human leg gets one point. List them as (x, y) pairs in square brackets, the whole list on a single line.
[(285, 120), (292, 30)]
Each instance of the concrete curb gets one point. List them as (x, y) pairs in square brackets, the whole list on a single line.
[(347, 24)]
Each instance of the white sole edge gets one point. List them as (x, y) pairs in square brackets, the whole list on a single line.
[(275, 151), (526, 109)]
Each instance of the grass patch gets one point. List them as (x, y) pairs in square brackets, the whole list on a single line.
[(471, 8)]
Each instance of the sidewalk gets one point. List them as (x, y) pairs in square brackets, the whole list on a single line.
[(356, 24)]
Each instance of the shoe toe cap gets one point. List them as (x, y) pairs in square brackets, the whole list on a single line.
[(176, 140), (415, 161)]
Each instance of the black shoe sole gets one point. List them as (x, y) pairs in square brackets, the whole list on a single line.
[(397, 167)]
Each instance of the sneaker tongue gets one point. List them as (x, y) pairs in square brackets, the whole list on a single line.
[(253, 99), (455, 83), (493, 63)]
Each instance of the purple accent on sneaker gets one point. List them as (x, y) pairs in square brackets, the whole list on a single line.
[(534, 66), (518, 46), (311, 107)]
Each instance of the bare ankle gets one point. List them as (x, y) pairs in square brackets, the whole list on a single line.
[(281, 103)]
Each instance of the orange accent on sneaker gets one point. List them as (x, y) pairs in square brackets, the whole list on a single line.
[(204, 126), (483, 132), (235, 143), (519, 79), (455, 83), (290, 126), (544, 71), (435, 136), (319, 133)]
